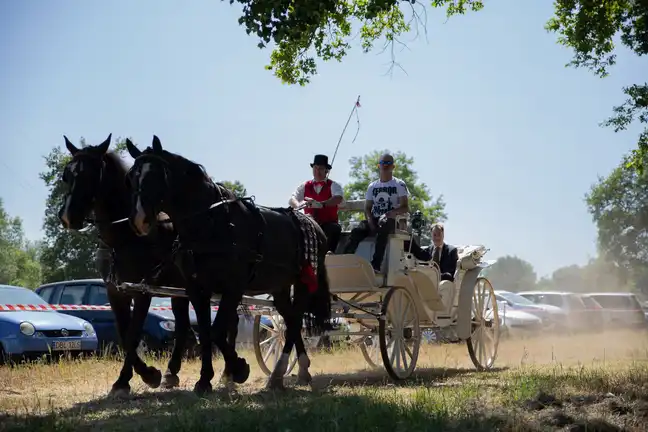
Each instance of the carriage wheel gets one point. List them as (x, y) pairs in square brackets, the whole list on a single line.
[(485, 326), (400, 333), (370, 348), (269, 342)]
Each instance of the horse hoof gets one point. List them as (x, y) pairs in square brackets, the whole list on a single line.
[(170, 381), (275, 384), (241, 372), (202, 389), (119, 392), (153, 377), (304, 378)]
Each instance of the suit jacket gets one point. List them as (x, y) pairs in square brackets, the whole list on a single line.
[(447, 263)]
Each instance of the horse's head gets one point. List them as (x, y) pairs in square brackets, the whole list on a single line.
[(82, 176), (148, 179)]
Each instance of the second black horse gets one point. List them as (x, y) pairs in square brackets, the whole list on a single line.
[(232, 247)]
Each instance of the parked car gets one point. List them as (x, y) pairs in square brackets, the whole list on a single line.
[(578, 318), (516, 322), (29, 328), (551, 316), (159, 326), (621, 309)]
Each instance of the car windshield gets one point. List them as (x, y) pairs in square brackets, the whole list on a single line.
[(515, 298), (9, 295), (161, 301)]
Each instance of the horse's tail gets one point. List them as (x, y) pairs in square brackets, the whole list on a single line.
[(319, 304)]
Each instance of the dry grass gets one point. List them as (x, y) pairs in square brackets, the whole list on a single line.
[(593, 382)]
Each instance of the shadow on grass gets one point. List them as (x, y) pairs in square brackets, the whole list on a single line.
[(293, 409), (380, 378), (336, 402)]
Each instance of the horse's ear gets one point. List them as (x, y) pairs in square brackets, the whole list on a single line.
[(157, 145), (103, 147), (71, 148), (132, 150)]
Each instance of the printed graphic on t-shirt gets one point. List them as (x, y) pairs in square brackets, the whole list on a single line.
[(385, 195)]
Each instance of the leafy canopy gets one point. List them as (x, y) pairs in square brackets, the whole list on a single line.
[(302, 31), (618, 204), (589, 27)]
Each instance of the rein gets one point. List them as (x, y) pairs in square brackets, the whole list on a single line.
[(169, 220)]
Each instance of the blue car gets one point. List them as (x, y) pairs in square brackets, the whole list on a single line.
[(29, 328)]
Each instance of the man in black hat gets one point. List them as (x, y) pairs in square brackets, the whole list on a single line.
[(321, 196)]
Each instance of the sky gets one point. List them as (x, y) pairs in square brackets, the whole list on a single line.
[(492, 117)]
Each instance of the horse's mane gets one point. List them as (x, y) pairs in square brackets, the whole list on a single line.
[(118, 165), (199, 171)]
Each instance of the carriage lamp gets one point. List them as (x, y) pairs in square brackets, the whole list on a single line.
[(27, 328), (418, 222), (89, 330), (168, 325)]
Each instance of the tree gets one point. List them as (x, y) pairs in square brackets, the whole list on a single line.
[(510, 273), (18, 257), (303, 31), (589, 28), (597, 275), (364, 170), (618, 204), (65, 254), (236, 187)]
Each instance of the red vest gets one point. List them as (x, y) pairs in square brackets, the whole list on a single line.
[(324, 214)]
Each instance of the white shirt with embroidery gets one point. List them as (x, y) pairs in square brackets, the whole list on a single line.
[(386, 195), (336, 190)]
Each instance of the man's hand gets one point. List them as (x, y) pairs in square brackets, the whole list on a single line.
[(310, 202)]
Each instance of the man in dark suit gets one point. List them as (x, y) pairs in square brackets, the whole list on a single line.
[(445, 255)]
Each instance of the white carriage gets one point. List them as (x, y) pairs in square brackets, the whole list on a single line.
[(396, 306)]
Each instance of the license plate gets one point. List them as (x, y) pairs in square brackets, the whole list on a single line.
[(66, 345)]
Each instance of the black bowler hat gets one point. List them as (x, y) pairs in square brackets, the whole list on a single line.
[(321, 160)]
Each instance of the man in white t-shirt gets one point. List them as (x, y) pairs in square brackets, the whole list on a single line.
[(385, 199)]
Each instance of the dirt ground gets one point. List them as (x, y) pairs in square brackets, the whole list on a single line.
[(555, 382)]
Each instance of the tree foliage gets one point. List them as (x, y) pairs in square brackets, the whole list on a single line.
[(306, 30), (618, 204), (364, 170), (589, 28), (18, 257), (598, 275), (510, 273), (236, 187), (66, 254)]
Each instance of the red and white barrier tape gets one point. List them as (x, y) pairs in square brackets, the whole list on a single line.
[(30, 307)]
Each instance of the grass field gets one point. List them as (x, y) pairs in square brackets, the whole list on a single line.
[(584, 383)]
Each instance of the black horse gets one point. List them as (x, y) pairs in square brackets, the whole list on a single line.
[(96, 182), (238, 247)]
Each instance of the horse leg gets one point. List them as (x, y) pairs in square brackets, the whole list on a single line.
[(202, 306), (300, 304), (180, 307), (149, 374), (120, 305), (232, 334), (284, 307), (235, 367)]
